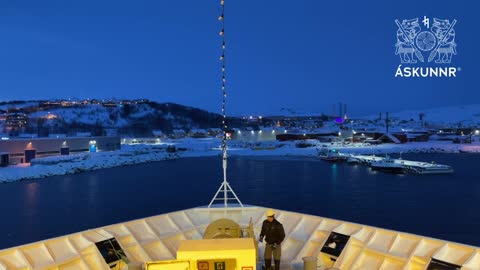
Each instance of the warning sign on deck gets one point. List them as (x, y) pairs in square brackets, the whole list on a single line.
[(219, 265), (202, 265)]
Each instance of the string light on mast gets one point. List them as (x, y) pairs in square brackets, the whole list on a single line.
[(221, 18), (225, 187)]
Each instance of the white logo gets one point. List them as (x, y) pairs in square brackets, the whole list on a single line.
[(426, 21), (434, 43)]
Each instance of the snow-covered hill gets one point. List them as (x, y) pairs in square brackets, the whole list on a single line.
[(136, 119), (93, 114)]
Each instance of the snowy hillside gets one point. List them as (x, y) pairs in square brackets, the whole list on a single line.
[(92, 114), (138, 119)]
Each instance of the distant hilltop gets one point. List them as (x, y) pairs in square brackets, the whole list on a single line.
[(138, 117), (448, 115), (18, 104), (145, 118), (127, 118), (464, 115)]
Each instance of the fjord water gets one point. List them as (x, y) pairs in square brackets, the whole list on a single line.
[(440, 206)]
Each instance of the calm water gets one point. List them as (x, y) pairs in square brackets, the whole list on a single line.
[(441, 206)]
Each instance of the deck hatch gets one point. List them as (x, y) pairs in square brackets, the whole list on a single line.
[(441, 265), (335, 244), (111, 251)]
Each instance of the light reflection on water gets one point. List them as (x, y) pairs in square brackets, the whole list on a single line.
[(92, 190), (31, 207), (334, 172), (31, 190)]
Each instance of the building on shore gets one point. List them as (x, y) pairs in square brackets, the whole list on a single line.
[(18, 149)]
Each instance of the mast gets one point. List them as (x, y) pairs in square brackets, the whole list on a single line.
[(225, 187)]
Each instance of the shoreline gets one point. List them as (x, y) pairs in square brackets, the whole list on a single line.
[(145, 153)]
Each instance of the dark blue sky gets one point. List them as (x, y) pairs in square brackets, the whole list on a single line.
[(299, 54)]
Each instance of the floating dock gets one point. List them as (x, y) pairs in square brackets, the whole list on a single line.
[(416, 167)]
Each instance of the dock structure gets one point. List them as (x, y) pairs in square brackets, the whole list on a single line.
[(364, 159), (425, 167), (416, 167)]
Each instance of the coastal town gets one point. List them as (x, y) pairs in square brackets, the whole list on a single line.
[(25, 145)]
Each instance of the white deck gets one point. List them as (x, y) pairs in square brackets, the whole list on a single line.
[(158, 238)]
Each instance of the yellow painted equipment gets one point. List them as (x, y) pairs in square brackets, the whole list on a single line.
[(212, 254), (223, 228), (168, 265)]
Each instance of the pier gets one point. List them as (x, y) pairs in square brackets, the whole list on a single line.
[(416, 167)]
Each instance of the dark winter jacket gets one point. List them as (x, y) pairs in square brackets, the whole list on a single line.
[(273, 232)]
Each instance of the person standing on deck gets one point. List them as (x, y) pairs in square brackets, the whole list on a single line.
[(273, 232)]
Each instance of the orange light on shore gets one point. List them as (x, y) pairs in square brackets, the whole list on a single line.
[(50, 116)]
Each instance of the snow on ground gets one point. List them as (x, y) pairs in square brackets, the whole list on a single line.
[(61, 165), (412, 147), (201, 147), (189, 147)]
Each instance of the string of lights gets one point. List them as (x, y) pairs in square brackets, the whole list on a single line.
[(221, 18), (225, 188)]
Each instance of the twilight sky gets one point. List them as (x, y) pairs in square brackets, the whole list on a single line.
[(305, 54)]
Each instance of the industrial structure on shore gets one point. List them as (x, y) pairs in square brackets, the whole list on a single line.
[(23, 150)]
